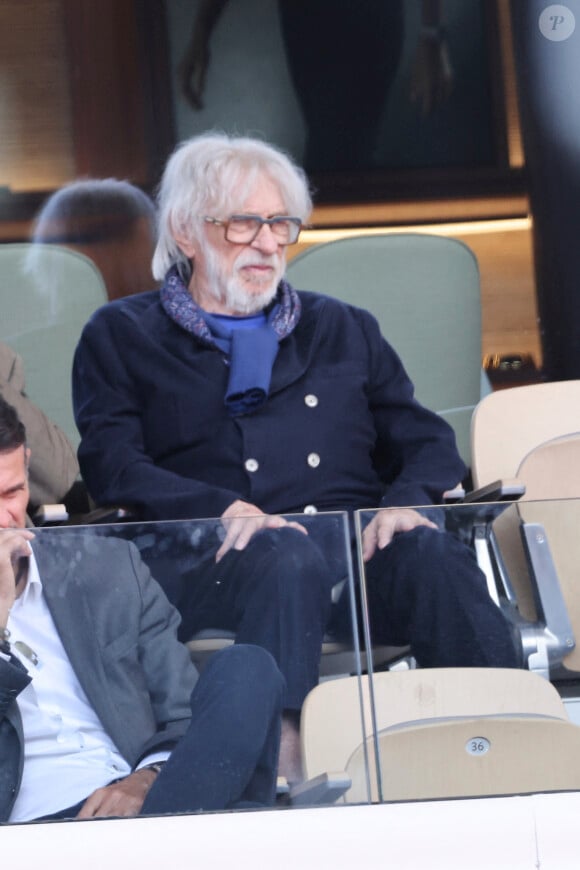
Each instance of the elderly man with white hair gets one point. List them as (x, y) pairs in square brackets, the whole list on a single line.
[(230, 394)]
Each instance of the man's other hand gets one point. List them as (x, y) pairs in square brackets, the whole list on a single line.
[(388, 523), (13, 546), (122, 798)]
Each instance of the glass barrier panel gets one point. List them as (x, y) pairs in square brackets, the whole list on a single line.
[(102, 669), (484, 599)]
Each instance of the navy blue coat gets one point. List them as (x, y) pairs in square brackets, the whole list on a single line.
[(340, 430)]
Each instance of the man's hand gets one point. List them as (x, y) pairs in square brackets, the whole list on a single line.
[(122, 798), (242, 520), (386, 524), (13, 546)]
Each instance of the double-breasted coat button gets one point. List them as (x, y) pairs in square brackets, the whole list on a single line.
[(310, 509), (251, 465), (313, 460), (311, 400)]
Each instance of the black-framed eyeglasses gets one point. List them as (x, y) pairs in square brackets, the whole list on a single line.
[(242, 229)]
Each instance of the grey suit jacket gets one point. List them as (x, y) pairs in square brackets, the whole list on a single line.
[(119, 632)]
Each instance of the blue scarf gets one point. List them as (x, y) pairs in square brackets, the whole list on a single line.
[(250, 352)]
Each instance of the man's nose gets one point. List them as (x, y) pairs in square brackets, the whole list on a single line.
[(266, 241), (6, 519)]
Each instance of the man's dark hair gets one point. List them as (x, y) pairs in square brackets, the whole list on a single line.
[(12, 431)]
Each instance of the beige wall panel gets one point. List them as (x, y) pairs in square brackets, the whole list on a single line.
[(36, 143)]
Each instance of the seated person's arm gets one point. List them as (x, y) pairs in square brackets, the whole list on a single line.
[(53, 467), (169, 676), (116, 465), (415, 455)]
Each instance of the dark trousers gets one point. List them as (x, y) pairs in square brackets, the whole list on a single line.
[(275, 593), (228, 757), (426, 590)]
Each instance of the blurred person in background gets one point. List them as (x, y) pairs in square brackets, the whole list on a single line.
[(110, 221)]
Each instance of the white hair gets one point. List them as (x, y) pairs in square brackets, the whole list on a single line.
[(212, 174)]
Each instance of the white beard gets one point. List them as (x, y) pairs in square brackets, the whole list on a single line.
[(230, 291)]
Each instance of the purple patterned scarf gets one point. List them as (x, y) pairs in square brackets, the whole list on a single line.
[(250, 353)]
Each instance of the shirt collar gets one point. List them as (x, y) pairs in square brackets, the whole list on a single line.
[(33, 589)]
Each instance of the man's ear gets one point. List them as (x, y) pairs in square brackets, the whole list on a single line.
[(26, 457), (185, 242)]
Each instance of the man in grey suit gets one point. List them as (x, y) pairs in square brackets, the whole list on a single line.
[(101, 710)]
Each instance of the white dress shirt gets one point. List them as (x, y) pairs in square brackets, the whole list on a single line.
[(67, 752)]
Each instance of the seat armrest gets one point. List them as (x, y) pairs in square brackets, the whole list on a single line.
[(326, 788), (487, 503), (453, 496), (473, 525), (50, 515), (510, 489), (105, 515)]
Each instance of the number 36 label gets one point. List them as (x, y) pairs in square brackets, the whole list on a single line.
[(477, 746)]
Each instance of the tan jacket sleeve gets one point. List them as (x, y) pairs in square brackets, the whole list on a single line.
[(53, 463)]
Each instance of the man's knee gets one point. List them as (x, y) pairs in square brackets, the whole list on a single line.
[(241, 665), (426, 563), (288, 559), (287, 543), (428, 549)]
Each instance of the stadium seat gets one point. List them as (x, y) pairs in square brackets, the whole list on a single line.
[(438, 733), (48, 293), (424, 291)]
